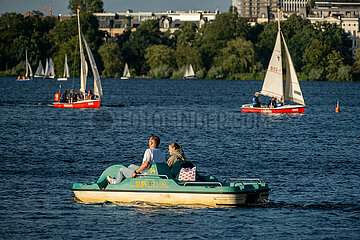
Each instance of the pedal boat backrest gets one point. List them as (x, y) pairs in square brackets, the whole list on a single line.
[(161, 170)]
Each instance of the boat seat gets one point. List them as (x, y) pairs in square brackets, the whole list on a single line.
[(176, 168), (160, 169)]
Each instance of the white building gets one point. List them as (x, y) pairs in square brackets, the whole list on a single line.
[(350, 26)]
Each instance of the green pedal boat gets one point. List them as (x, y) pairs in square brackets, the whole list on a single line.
[(162, 185)]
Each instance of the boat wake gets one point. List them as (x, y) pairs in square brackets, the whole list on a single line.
[(113, 105), (320, 206)]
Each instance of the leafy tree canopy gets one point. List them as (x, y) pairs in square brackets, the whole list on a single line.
[(87, 6)]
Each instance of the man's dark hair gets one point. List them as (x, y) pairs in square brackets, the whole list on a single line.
[(156, 139)]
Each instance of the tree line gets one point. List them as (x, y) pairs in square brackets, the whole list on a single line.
[(227, 48)]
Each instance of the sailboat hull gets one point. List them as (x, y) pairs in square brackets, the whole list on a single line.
[(124, 78), (24, 80), (62, 79), (284, 109), (79, 104)]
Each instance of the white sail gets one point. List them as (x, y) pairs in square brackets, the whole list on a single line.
[(186, 72), (126, 73), (86, 69), (189, 72), (66, 68), (292, 90), (26, 65), (97, 82), (30, 70), (273, 82), (82, 60), (51, 68), (40, 70), (46, 73)]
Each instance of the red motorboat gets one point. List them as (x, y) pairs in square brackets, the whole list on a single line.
[(93, 102), (273, 84)]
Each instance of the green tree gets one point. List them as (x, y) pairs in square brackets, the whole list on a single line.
[(111, 56), (186, 55), (86, 6), (146, 35), (334, 62), (157, 55), (185, 35), (315, 56), (65, 40), (214, 36), (357, 60), (18, 33), (335, 37), (237, 57)]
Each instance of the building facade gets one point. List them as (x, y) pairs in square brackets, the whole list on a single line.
[(114, 24)]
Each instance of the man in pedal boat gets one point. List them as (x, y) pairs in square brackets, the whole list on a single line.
[(151, 155)]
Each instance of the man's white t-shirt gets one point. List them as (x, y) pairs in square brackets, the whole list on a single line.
[(153, 155)]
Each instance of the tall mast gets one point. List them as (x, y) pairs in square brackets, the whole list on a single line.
[(26, 65), (82, 58)]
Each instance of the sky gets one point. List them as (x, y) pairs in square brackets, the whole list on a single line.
[(60, 6)]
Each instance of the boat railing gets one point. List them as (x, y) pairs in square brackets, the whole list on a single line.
[(153, 175), (203, 183), (241, 180)]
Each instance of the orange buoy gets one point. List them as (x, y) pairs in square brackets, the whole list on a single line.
[(337, 109)]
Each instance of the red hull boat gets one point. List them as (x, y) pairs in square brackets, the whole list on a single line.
[(273, 83), (284, 109), (90, 102), (79, 104)]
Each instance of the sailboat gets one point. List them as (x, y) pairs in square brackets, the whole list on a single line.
[(189, 73), (39, 71), (49, 69), (273, 83), (66, 71), (87, 102), (126, 74), (28, 71)]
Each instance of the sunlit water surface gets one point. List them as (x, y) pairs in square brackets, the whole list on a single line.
[(311, 161)]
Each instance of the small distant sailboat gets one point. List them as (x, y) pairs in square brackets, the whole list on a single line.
[(49, 69), (39, 71), (126, 74), (86, 102), (273, 83), (189, 73), (28, 71), (66, 71)]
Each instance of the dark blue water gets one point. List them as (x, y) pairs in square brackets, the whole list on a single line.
[(311, 161)]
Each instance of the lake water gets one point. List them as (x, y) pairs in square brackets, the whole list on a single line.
[(311, 161)]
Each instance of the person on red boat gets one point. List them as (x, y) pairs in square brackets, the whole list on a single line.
[(272, 103), (78, 96), (278, 103), (90, 95), (151, 155), (256, 102), (64, 97), (72, 96)]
